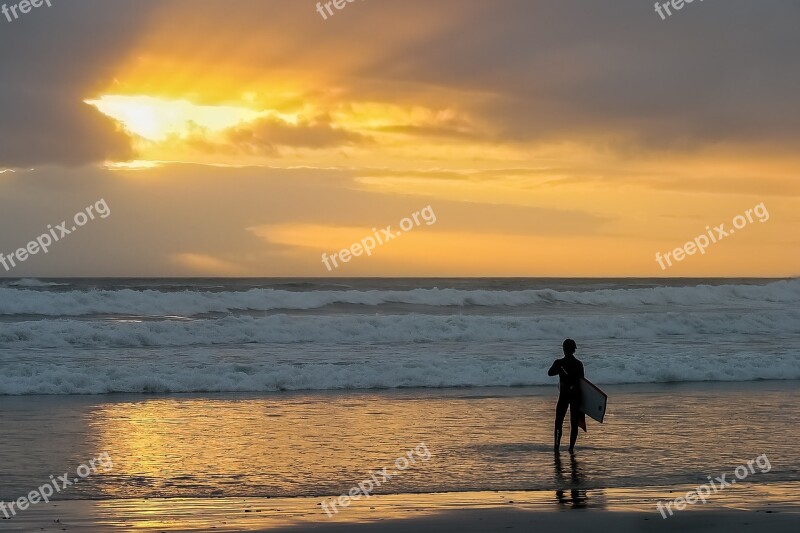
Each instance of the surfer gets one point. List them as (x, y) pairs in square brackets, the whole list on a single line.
[(570, 372)]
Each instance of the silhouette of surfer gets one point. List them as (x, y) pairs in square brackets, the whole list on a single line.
[(570, 372)]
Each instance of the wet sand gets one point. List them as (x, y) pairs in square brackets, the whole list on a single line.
[(228, 462), (748, 508)]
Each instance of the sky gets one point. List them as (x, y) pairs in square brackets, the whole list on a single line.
[(549, 137)]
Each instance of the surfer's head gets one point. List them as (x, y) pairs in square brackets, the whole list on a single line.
[(570, 347)]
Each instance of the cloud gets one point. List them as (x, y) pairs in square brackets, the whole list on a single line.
[(45, 132), (607, 74), (613, 72), (208, 265), (264, 135), (53, 59)]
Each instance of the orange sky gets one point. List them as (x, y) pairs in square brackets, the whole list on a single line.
[(551, 140)]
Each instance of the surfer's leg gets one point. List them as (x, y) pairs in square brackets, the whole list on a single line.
[(561, 412), (574, 418)]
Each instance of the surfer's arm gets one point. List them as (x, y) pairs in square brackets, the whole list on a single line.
[(555, 369)]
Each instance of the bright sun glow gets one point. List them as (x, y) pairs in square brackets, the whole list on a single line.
[(156, 119)]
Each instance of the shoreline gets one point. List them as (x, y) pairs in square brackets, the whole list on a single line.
[(437, 392)]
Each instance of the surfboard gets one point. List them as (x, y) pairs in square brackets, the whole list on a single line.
[(593, 400)]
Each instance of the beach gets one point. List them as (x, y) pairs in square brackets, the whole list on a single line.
[(284, 266), (234, 462), (474, 512), (236, 405)]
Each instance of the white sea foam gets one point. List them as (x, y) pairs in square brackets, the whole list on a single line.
[(32, 282), (158, 303), (335, 367), (56, 341), (388, 329)]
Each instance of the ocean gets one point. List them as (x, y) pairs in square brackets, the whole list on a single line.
[(98, 336), (215, 388)]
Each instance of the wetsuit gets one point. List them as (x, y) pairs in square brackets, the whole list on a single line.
[(570, 372)]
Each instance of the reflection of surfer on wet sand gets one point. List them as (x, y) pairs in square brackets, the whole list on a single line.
[(577, 497)]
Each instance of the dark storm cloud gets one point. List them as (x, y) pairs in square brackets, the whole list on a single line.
[(714, 71), (605, 71), (52, 59)]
